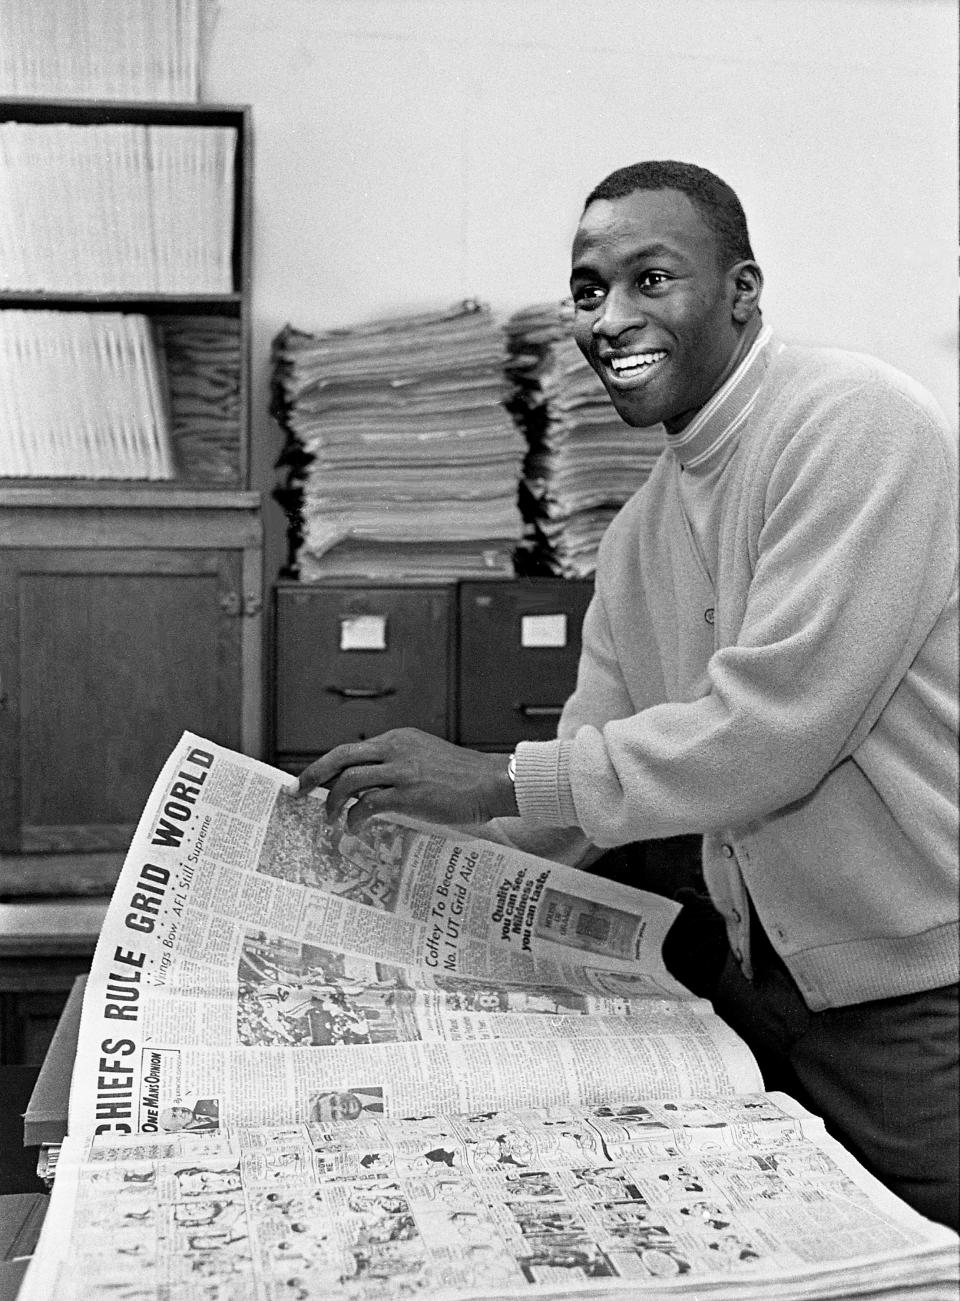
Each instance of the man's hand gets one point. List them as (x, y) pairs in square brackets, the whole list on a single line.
[(408, 771)]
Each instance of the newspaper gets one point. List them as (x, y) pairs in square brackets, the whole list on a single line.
[(314, 1063), (410, 969)]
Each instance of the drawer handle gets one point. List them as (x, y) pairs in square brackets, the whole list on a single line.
[(541, 711), (362, 693)]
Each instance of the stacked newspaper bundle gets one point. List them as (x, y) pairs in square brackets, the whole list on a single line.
[(399, 1062), (583, 462), (101, 49), (81, 395), (402, 459), (116, 208)]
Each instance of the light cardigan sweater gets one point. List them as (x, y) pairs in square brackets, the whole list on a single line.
[(812, 738)]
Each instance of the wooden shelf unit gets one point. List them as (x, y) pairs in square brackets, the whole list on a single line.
[(234, 305), (129, 611)]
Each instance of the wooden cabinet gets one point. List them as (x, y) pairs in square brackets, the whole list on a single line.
[(352, 661), (125, 618)]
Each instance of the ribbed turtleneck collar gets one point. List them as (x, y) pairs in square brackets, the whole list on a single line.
[(719, 419)]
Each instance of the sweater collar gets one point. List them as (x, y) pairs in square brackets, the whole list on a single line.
[(720, 419)]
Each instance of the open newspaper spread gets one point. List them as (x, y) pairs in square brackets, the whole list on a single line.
[(403, 1062)]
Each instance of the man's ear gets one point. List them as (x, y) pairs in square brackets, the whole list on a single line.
[(747, 280)]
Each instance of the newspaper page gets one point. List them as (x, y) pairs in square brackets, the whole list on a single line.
[(262, 965), (726, 1197)]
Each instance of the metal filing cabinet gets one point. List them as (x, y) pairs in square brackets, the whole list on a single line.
[(353, 660), (519, 645)]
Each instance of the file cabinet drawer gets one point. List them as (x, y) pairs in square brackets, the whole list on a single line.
[(353, 661), (517, 660)]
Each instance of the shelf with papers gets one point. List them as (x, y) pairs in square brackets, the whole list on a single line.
[(124, 389), (141, 50), (137, 248), (79, 113)]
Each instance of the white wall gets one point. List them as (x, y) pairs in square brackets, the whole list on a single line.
[(415, 152)]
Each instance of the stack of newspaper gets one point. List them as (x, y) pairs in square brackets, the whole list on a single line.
[(82, 395), (102, 49), (583, 462), (116, 208), (397, 1062), (402, 459)]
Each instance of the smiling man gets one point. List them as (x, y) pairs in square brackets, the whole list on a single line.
[(769, 662), (666, 306)]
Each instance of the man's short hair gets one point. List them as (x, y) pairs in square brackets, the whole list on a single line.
[(713, 199)]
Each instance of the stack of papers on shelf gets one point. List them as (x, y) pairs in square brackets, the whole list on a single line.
[(101, 49), (583, 462), (81, 396), (116, 208), (403, 460)]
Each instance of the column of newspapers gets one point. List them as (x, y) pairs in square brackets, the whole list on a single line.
[(405, 1062)]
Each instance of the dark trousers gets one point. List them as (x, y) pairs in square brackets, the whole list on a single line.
[(883, 1075)]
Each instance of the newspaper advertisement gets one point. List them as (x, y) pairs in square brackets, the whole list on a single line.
[(736, 1197), (262, 965)]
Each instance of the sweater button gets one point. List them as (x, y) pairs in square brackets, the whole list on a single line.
[(709, 614), (735, 916), (726, 851)]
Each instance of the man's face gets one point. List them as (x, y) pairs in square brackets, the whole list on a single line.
[(653, 307)]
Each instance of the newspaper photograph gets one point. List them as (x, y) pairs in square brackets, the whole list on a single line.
[(743, 1197), (260, 964)]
